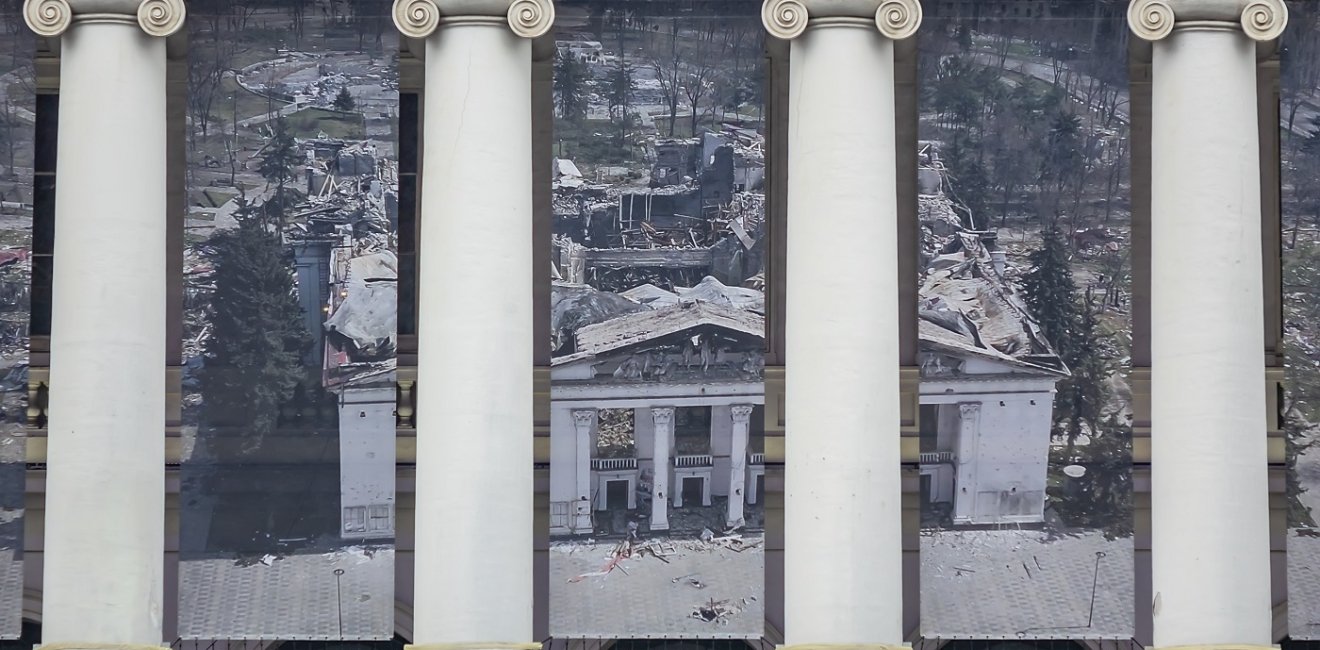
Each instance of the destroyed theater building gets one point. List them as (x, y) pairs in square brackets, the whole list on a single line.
[(654, 387)]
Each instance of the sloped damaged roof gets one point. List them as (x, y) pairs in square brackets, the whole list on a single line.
[(652, 324), (966, 307)]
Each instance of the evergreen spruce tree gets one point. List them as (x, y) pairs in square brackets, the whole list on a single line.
[(570, 90), (344, 101), (1049, 290), (281, 156), (1087, 390), (253, 359)]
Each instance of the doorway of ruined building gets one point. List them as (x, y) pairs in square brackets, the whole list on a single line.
[(616, 495), (758, 496), (693, 489)]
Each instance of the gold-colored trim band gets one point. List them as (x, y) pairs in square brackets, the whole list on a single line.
[(90, 645)]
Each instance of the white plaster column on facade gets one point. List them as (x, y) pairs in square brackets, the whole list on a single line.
[(842, 470), (969, 437), (584, 420), (105, 478), (1210, 541), (474, 514), (663, 417), (742, 416)]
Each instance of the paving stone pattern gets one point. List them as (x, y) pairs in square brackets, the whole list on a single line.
[(293, 598), (1025, 584), (11, 595), (646, 597)]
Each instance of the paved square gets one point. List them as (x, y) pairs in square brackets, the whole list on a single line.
[(1025, 583), (11, 595), (295, 597), (644, 596)]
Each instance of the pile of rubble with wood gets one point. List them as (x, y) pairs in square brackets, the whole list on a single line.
[(669, 552)]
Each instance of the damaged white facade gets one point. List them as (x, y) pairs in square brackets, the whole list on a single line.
[(988, 379), (677, 355)]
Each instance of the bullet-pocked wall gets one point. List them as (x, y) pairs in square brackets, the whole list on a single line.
[(290, 266), (1024, 322), (17, 153), (657, 309)]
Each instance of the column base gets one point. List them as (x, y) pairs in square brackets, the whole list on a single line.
[(474, 645), (91, 645), (845, 646), (1217, 646)]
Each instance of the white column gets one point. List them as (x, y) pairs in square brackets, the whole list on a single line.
[(742, 416), (1210, 540), (663, 417), (105, 482), (842, 365), (474, 513), (583, 421)]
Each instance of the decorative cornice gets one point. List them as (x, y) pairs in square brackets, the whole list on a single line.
[(788, 19), (51, 18), (421, 18), (1259, 20)]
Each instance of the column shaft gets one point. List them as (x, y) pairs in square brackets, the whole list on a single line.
[(583, 421), (474, 446), (1209, 491), (841, 480), (738, 464), (664, 435), (105, 483)]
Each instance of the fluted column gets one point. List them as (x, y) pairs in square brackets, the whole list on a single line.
[(473, 580), (663, 439), (1209, 495), (105, 478), (742, 416), (842, 491)]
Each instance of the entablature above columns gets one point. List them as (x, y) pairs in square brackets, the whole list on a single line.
[(788, 19), (1259, 20), (51, 18)]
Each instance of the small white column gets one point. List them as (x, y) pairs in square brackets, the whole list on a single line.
[(584, 420), (1210, 552), (663, 417), (842, 365), (742, 416), (105, 482), (474, 493), (969, 437)]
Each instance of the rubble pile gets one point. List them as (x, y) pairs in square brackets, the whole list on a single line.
[(615, 436)]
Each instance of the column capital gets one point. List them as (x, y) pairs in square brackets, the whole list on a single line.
[(742, 413), (662, 415), (788, 19), (583, 417), (51, 18), (1260, 20), (526, 18)]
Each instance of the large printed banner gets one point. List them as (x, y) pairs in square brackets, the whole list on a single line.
[(1299, 133), (658, 319), (17, 153), (1024, 323), (291, 272)]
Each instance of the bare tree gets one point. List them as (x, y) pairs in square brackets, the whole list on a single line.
[(667, 62)]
